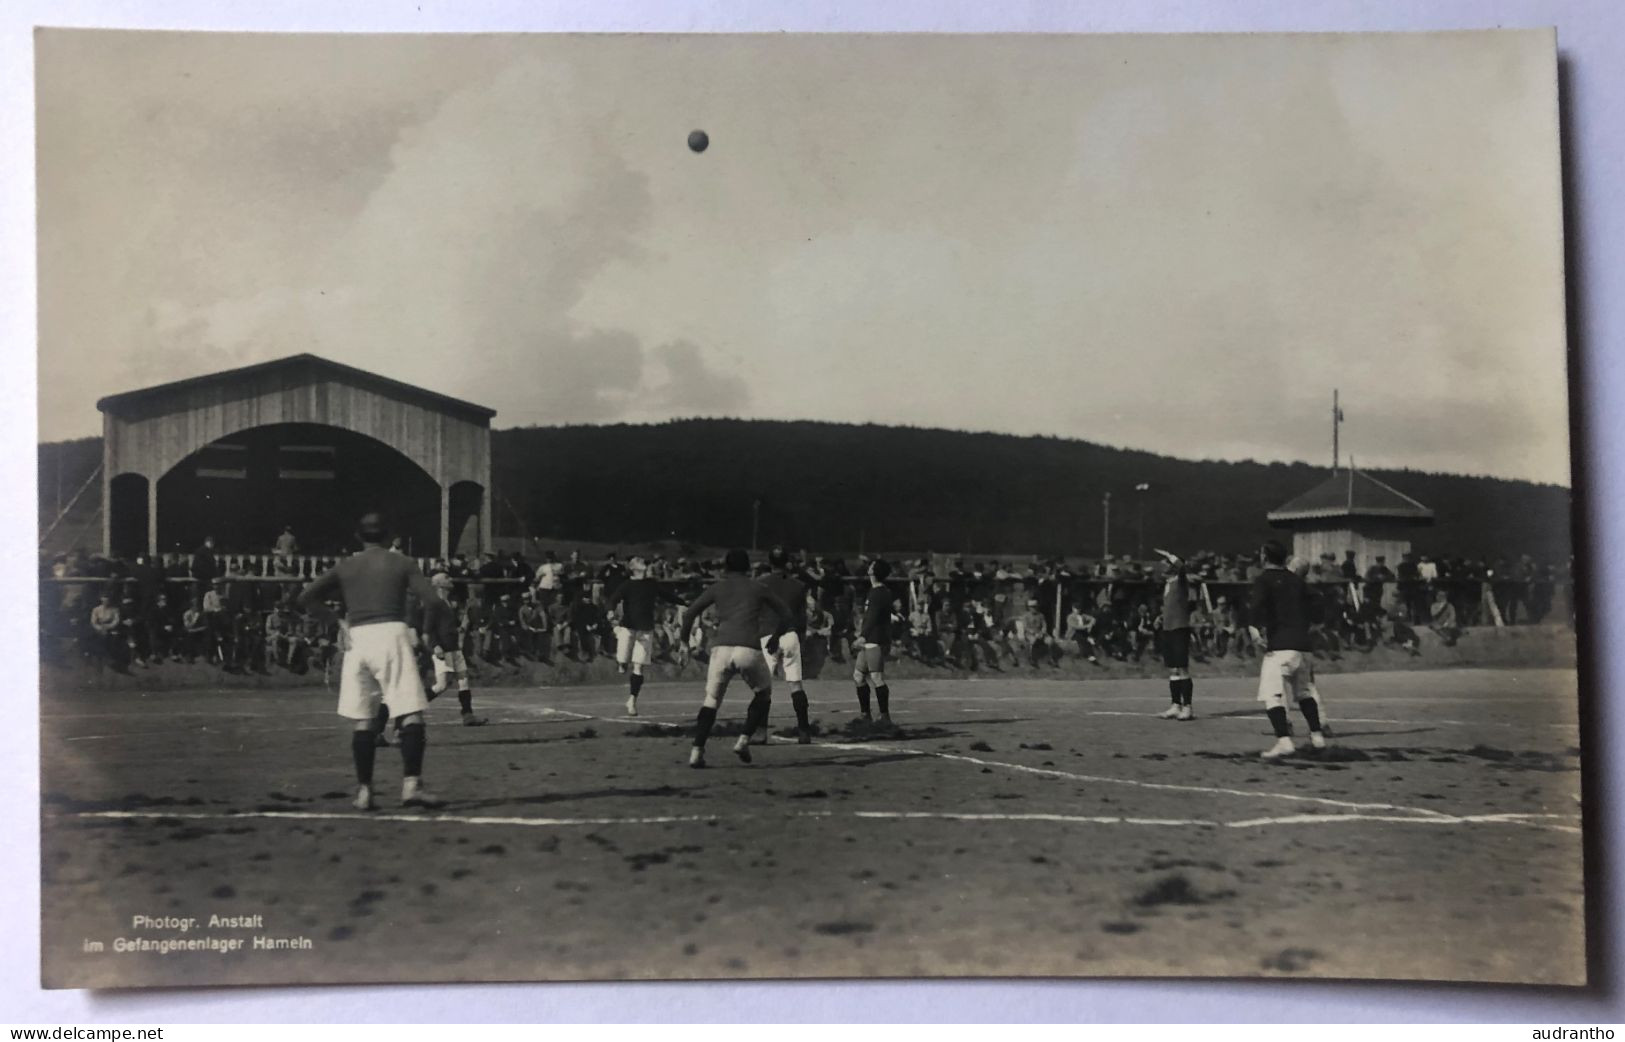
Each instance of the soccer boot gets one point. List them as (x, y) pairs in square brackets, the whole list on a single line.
[(761, 736), (1282, 747), (1317, 739), (885, 723), (803, 736), (1171, 713), (1185, 713), (363, 798), (470, 720), (742, 748), (413, 794), (631, 705), (696, 757)]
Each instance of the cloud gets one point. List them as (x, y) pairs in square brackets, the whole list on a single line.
[(691, 387)]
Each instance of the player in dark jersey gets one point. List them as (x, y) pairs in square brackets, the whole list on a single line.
[(871, 643), (793, 592), (1279, 615), (445, 640), (379, 667), (638, 599), (1177, 597), (739, 602)]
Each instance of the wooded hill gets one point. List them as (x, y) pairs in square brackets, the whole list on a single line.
[(843, 487)]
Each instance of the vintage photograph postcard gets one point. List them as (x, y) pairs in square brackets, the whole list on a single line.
[(633, 507)]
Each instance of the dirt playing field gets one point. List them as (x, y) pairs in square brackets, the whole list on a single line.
[(1014, 827)]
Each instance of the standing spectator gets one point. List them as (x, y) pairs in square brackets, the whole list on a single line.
[(204, 568), (1412, 594), (286, 544), (549, 579), (1376, 579), (1351, 570), (216, 621), (476, 625)]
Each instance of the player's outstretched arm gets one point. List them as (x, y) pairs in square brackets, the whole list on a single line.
[(692, 612), (319, 590)]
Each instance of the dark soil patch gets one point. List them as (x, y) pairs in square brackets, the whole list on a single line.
[(843, 927), (1290, 960), (1177, 890)]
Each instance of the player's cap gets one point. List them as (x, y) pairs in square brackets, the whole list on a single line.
[(440, 581)]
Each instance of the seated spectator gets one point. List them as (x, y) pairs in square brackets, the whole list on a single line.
[(1443, 620), (107, 645), (1032, 634), (195, 631), (1080, 628)]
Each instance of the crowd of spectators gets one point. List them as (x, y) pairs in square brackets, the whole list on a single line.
[(239, 612)]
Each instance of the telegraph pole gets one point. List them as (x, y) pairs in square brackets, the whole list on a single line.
[(1106, 526)]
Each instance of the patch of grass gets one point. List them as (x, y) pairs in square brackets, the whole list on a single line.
[(980, 747)]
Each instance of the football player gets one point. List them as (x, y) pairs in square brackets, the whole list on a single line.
[(378, 668), (793, 593), (638, 599), (871, 643), (736, 648)]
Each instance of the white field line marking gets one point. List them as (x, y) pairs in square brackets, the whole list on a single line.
[(1258, 719), (1530, 820), (1165, 786)]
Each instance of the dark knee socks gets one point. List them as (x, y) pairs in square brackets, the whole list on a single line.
[(414, 738), (863, 698), (1279, 722), (465, 699), (636, 684), (364, 747), (756, 715), (883, 699), (1311, 713), (703, 724), (798, 699)]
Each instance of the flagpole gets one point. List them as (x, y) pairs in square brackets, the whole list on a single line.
[(1337, 416)]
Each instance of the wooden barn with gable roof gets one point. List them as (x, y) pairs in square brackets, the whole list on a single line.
[(300, 441), (1351, 510)]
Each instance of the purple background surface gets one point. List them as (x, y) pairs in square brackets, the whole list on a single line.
[(1590, 34)]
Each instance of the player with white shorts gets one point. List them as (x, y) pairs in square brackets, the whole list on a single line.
[(739, 601), (445, 639), (380, 668), (1279, 614), (638, 600), (793, 592)]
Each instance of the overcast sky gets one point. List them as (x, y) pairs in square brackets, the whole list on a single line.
[(1178, 244)]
